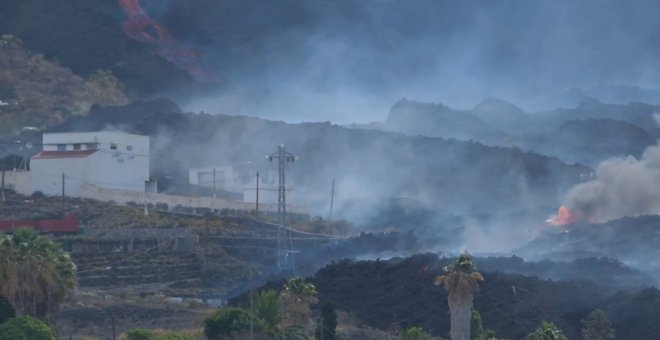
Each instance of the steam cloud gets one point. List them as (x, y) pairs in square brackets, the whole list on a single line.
[(623, 187)]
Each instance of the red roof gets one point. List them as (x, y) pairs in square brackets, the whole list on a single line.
[(64, 154)]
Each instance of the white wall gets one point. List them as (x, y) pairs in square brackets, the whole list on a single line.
[(19, 181), (120, 162), (47, 175)]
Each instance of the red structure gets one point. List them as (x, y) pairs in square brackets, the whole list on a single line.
[(68, 225)]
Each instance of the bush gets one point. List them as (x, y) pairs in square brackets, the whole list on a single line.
[(415, 333), (226, 322), (25, 328), (140, 334), (547, 331), (146, 334)]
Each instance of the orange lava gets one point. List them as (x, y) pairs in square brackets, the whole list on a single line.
[(141, 27), (565, 216)]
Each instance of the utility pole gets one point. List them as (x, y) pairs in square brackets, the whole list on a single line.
[(283, 157), (213, 182), (332, 198), (257, 207), (2, 191), (63, 183)]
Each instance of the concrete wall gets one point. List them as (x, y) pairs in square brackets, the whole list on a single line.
[(118, 170), (47, 175), (123, 197), (19, 181)]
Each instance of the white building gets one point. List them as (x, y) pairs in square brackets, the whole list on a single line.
[(113, 160), (220, 177)]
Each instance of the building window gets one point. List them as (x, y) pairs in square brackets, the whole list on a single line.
[(76, 146), (129, 147), (61, 147), (113, 146), (90, 146)]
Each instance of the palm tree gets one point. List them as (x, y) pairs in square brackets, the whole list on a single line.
[(35, 275), (297, 296), (461, 283), (268, 309)]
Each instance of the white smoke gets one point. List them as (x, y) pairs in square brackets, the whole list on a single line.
[(622, 187)]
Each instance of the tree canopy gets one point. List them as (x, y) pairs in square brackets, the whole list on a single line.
[(35, 275)]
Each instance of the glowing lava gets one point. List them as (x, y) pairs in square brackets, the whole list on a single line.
[(565, 216), (141, 27)]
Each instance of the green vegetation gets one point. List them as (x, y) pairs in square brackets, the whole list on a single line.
[(146, 334), (25, 328), (547, 331), (228, 322), (477, 330), (268, 308), (461, 284), (597, 327), (415, 333), (35, 275)]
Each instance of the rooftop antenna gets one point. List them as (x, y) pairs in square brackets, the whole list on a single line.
[(283, 157)]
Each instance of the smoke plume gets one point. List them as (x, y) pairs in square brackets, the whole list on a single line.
[(622, 187)]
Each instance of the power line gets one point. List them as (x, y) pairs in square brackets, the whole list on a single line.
[(283, 157)]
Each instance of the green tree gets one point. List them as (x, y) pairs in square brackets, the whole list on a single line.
[(477, 330), (547, 331), (35, 275), (597, 327), (326, 330), (461, 283), (226, 323), (415, 333), (25, 328), (268, 309)]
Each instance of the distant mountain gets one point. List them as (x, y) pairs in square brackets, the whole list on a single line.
[(588, 134), (503, 115), (438, 120)]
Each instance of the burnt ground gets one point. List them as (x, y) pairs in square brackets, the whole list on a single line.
[(399, 293)]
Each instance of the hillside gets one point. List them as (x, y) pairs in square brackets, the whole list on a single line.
[(587, 134), (368, 165), (85, 36), (35, 91), (629, 239), (399, 293)]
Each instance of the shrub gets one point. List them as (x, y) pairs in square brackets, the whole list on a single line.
[(226, 322), (415, 333), (25, 328), (140, 334)]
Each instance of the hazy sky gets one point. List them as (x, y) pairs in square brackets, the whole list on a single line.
[(349, 60)]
